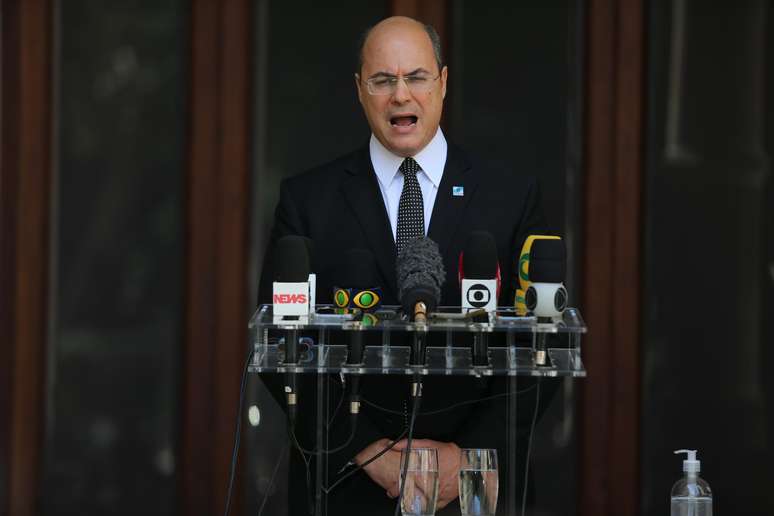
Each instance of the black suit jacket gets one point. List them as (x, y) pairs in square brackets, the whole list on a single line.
[(339, 206)]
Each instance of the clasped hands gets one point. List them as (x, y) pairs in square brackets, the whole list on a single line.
[(386, 469)]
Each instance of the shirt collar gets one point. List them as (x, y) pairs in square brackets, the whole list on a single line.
[(431, 159)]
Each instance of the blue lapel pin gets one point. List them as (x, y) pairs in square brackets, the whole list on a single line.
[(458, 191)]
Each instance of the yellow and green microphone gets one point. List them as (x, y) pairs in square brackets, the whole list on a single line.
[(520, 302)]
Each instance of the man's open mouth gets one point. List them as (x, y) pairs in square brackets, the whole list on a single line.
[(403, 121)]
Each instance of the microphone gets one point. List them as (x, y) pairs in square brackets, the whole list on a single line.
[(479, 272), (291, 298), (546, 297), (479, 276), (523, 268), (360, 293), (420, 274), (360, 280), (291, 288), (358, 269)]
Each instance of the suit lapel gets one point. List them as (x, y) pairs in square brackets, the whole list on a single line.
[(449, 208), (361, 191)]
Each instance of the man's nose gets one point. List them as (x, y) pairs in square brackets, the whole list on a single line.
[(402, 93)]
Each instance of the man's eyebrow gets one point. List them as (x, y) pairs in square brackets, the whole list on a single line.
[(381, 74), (390, 75)]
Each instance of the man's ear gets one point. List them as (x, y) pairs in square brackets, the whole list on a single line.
[(359, 90), (444, 74)]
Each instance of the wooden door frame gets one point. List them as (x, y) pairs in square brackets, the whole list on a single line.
[(217, 215), (609, 466), (25, 200)]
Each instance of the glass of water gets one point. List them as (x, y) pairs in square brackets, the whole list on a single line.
[(478, 482), (421, 492)]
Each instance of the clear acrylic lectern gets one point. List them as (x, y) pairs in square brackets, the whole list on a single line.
[(451, 342)]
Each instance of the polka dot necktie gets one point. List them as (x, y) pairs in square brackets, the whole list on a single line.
[(411, 208)]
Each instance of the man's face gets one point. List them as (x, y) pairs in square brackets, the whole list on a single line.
[(405, 120)]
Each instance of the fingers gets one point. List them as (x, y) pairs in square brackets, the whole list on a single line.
[(393, 491), (443, 501), (416, 443), (447, 494)]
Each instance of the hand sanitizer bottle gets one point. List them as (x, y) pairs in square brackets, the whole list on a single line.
[(691, 495)]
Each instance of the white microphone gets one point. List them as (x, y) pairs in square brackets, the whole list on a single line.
[(546, 296)]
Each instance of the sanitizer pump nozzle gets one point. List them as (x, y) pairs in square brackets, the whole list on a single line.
[(690, 464)]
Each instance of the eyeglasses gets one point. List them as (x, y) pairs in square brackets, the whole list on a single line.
[(387, 85)]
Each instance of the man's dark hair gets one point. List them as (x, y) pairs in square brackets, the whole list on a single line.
[(435, 40)]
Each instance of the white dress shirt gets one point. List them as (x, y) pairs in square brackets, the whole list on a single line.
[(431, 160)]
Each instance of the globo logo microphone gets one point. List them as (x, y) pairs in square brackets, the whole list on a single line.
[(479, 272), (478, 295)]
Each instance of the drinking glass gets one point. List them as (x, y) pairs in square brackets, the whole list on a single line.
[(478, 482), (421, 492)]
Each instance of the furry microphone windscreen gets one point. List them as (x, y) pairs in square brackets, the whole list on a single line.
[(420, 268)]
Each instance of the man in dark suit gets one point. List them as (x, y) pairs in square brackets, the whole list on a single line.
[(407, 182)]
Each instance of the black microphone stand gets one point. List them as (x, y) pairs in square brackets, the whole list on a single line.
[(540, 348), (291, 379)]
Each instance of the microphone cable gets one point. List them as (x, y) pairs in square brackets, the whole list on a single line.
[(329, 451), (304, 456), (328, 423), (292, 438), (450, 407), (305, 453), (273, 476), (339, 404), (416, 394), (348, 474), (529, 447), (238, 431)]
